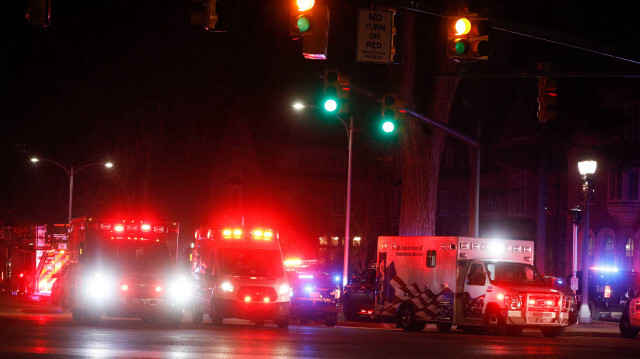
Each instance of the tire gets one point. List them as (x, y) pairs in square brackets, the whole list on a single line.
[(551, 332), (443, 327), (196, 316), (284, 324), (216, 318), (493, 322), (595, 315), (176, 319), (626, 330), (76, 314), (331, 321), (349, 311), (407, 321)]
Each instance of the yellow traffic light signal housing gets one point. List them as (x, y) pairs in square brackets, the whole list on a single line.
[(210, 14), (310, 22), (39, 12), (547, 99), (468, 37)]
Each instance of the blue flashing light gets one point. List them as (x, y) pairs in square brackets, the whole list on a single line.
[(337, 278), (308, 289)]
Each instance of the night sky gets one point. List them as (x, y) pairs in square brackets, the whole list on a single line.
[(135, 83)]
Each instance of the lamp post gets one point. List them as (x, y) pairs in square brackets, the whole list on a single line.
[(349, 128), (70, 173), (587, 169)]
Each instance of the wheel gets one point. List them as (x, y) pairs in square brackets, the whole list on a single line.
[(626, 329), (514, 329), (76, 314), (493, 322), (551, 332), (443, 327), (407, 321), (176, 319), (216, 318), (349, 311), (284, 324), (331, 321), (196, 316), (595, 315)]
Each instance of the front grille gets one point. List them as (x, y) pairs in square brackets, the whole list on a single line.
[(257, 294), (543, 301), (142, 291)]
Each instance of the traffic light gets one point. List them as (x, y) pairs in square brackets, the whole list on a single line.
[(331, 85), (210, 14), (390, 111), (547, 99), (39, 12), (468, 37), (310, 22)]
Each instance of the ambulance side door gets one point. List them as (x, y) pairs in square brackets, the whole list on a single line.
[(473, 295)]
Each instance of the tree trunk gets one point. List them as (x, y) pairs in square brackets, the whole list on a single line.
[(421, 145)]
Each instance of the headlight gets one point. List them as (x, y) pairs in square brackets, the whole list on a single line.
[(513, 302), (227, 287), (180, 289), (283, 289), (99, 286)]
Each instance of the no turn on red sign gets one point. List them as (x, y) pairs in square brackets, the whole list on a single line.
[(375, 34)]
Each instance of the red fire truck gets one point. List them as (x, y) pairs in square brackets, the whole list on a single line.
[(125, 268)]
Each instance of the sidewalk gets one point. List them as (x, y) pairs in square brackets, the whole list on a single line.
[(11, 304)]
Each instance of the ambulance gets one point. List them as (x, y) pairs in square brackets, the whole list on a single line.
[(239, 273), (472, 283)]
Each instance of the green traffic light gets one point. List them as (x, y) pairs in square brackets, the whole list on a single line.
[(330, 105), (461, 47), (303, 24), (388, 126)]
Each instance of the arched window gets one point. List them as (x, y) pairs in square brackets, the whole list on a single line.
[(628, 254), (607, 256)]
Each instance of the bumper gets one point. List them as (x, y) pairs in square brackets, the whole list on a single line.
[(536, 318), (252, 310), (314, 309), (137, 308)]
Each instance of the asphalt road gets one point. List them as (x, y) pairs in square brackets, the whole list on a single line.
[(29, 329)]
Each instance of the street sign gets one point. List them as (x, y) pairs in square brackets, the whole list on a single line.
[(375, 36)]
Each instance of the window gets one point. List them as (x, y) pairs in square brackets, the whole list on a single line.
[(624, 184), (629, 254), (517, 194), (607, 259), (476, 275), (431, 258)]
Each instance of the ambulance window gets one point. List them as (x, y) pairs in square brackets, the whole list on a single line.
[(476, 275), (431, 258)]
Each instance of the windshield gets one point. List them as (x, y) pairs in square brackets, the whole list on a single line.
[(515, 273), (366, 277), (251, 262), (136, 256)]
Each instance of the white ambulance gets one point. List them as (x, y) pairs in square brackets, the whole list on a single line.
[(239, 273), (472, 283)]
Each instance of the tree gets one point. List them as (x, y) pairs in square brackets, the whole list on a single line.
[(421, 146)]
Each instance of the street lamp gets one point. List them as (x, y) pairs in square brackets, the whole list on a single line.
[(349, 128), (587, 169), (70, 172)]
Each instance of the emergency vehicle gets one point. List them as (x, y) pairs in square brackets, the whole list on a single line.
[(467, 282), (315, 291), (239, 273), (630, 319), (125, 269)]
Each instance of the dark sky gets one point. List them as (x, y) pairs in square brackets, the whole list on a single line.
[(134, 82)]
